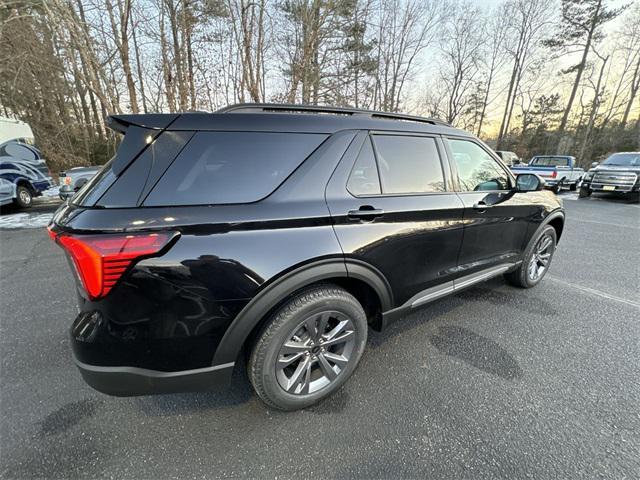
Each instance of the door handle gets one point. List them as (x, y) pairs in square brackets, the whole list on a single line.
[(365, 213)]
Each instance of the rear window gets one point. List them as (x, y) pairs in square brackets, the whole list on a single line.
[(231, 167), (551, 161)]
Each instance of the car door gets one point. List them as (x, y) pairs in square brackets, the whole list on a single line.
[(394, 208), (496, 218)]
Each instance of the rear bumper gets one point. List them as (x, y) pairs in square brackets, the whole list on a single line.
[(132, 381)]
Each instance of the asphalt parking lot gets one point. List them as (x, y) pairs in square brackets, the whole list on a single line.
[(494, 382)]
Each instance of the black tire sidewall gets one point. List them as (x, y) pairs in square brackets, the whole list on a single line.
[(584, 192), (524, 275), (263, 358)]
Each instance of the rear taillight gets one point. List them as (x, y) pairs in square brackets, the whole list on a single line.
[(554, 174), (66, 180), (100, 260)]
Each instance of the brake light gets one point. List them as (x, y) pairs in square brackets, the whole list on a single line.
[(66, 180), (554, 174), (100, 260)]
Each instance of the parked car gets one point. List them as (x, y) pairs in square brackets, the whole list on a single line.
[(509, 158), (74, 179), (557, 170), (619, 173), (24, 172), (6, 192), (284, 232)]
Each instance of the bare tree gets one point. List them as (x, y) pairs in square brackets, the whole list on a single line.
[(527, 19), (248, 20), (405, 29), (120, 23), (461, 46), (580, 28), (492, 58)]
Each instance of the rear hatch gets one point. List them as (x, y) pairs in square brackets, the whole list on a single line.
[(99, 256), (171, 179)]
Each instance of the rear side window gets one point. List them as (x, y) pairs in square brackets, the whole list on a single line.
[(364, 176), (231, 167), (408, 164)]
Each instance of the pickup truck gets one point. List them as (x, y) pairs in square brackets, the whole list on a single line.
[(620, 174), (74, 179), (557, 170)]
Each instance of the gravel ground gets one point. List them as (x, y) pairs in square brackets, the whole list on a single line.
[(494, 382)]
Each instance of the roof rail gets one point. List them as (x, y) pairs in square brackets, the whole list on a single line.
[(292, 108)]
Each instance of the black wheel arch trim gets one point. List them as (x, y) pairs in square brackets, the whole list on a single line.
[(559, 213), (252, 314)]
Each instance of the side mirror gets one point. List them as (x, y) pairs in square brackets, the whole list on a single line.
[(594, 164), (529, 182)]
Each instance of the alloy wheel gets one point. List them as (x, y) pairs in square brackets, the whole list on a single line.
[(540, 258), (315, 352), (25, 197)]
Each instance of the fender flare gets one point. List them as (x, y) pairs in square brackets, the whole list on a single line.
[(251, 315), (23, 181), (547, 220)]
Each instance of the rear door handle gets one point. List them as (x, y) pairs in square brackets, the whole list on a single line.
[(366, 212)]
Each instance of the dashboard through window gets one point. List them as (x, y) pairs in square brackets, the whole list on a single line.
[(477, 170)]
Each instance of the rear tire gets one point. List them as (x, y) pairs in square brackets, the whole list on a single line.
[(556, 188), (309, 348), (24, 198), (584, 192), (537, 259)]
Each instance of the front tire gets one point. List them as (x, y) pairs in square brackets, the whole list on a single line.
[(584, 192), (24, 198), (309, 348), (537, 259)]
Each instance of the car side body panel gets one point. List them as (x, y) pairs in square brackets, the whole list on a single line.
[(171, 311)]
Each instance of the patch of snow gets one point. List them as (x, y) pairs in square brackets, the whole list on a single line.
[(52, 192), (571, 196), (25, 220)]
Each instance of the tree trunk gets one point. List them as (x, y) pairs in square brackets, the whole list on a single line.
[(580, 69), (595, 104), (635, 84), (138, 66)]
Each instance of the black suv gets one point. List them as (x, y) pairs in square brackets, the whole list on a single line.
[(283, 232)]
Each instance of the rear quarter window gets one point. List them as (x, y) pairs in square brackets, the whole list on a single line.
[(231, 167)]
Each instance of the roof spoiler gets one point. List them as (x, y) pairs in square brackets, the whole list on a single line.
[(151, 121)]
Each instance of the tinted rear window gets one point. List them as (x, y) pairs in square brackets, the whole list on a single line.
[(231, 167), (408, 164), (551, 161)]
